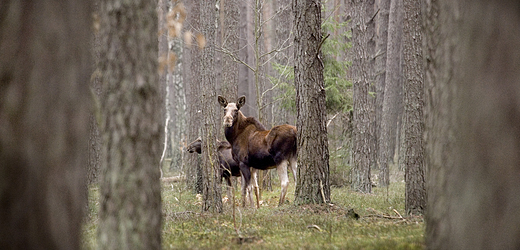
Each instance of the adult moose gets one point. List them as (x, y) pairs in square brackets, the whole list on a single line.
[(255, 147)]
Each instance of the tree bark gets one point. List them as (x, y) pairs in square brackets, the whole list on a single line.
[(362, 123), (391, 93), (313, 154), (130, 190), (473, 117), (415, 195), (191, 57), (211, 190), (380, 55), (44, 122)]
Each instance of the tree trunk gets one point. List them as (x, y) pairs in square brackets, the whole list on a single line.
[(415, 196), (94, 148), (313, 154), (362, 124), (391, 93), (229, 17), (380, 55), (211, 190), (246, 30), (191, 56), (473, 117), (44, 122), (130, 190)]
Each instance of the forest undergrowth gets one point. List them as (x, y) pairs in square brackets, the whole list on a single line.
[(352, 221)]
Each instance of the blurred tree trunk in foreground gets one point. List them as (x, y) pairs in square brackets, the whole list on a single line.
[(44, 121), (132, 107), (473, 124), (313, 154)]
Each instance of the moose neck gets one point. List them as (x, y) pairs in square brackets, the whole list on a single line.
[(236, 129)]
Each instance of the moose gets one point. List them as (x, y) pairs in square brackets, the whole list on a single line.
[(256, 148), (228, 166)]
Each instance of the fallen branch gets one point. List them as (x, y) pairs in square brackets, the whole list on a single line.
[(395, 211), (381, 215), (174, 178), (315, 227), (185, 212)]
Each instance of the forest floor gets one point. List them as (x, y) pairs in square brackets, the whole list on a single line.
[(352, 221)]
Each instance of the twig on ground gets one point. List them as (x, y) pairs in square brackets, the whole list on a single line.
[(384, 216), (185, 212), (395, 211), (315, 227)]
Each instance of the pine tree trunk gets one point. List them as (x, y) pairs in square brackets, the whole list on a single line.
[(415, 196), (132, 105), (380, 55), (191, 57), (391, 93), (313, 154), (211, 190), (44, 122), (362, 124), (472, 124)]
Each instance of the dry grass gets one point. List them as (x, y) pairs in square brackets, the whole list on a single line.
[(382, 223)]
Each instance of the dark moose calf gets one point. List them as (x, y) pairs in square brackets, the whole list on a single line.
[(254, 147), (228, 166)]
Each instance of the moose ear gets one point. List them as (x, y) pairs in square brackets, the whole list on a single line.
[(241, 101), (223, 102)]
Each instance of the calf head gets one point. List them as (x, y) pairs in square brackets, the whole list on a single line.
[(231, 109), (195, 146)]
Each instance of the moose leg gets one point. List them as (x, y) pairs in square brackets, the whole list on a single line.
[(294, 167), (246, 177), (284, 180), (254, 174), (229, 187)]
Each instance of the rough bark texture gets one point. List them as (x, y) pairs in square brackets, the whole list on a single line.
[(380, 55), (44, 122), (246, 85), (191, 57), (361, 77), (473, 117), (391, 93), (211, 190), (415, 195), (229, 17), (132, 105), (94, 142), (313, 154)]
